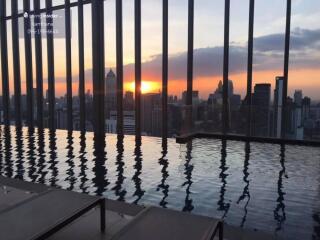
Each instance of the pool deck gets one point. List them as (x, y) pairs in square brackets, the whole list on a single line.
[(119, 214)]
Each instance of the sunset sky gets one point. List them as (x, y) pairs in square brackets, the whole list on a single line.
[(268, 45)]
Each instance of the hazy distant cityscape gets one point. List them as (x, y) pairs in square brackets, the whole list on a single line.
[(302, 114)]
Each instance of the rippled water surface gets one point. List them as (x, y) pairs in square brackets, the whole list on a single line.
[(268, 187)]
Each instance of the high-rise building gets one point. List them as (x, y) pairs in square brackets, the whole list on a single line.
[(261, 111), (110, 92), (128, 101), (277, 111), (298, 97), (128, 122), (306, 103), (195, 97), (151, 102)]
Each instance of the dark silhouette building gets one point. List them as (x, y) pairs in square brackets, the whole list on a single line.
[(261, 112)]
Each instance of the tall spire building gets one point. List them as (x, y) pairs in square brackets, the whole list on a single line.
[(110, 92)]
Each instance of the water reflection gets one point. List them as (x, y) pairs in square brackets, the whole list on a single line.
[(1, 158), (31, 155), (83, 163), (163, 161), (8, 169), (41, 156), (119, 191), (316, 218), (70, 161), (188, 207), (279, 212), (19, 151), (52, 158), (139, 192), (245, 194), (99, 180), (222, 206)]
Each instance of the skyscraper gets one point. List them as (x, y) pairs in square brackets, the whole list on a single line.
[(110, 93), (261, 112), (298, 97), (277, 112), (128, 101), (151, 113)]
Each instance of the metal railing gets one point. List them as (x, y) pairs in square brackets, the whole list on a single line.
[(98, 64)]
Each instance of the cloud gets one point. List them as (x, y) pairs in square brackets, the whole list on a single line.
[(268, 55), (301, 39), (208, 62)]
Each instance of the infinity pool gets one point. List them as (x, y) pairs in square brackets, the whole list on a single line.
[(265, 187)]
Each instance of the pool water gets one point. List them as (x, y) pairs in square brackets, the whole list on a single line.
[(266, 187)]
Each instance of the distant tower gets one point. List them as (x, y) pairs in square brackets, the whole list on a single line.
[(111, 93), (298, 98), (278, 92), (261, 111)]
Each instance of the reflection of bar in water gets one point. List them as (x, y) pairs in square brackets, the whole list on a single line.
[(188, 207), (119, 192), (279, 212), (70, 161), (222, 206), (245, 194), (83, 163), (138, 167), (163, 161), (41, 156), (52, 158), (100, 172), (19, 153)]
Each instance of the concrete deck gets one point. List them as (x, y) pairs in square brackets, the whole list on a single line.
[(118, 214)]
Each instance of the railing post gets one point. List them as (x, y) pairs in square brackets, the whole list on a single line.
[(81, 68), (51, 77), (249, 67), (68, 65), (190, 65), (39, 73), (119, 42), (225, 113), (16, 62), (286, 69), (137, 30), (165, 70), (28, 59), (98, 66), (4, 64)]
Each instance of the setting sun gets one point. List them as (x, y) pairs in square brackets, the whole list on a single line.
[(146, 86)]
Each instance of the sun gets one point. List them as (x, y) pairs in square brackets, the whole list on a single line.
[(146, 86)]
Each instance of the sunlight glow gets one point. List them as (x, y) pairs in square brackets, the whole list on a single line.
[(146, 87)]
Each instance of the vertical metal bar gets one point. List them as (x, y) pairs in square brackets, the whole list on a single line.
[(28, 63), (16, 62), (190, 63), (165, 70), (98, 66), (68, 65), (4, 64), (81, 67), (39, 73), (137, 30), (50, 55), (286, 68), (249, 67), (119, 40), (225, 113)]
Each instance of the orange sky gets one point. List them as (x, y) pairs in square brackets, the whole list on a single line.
[(305, 79)]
